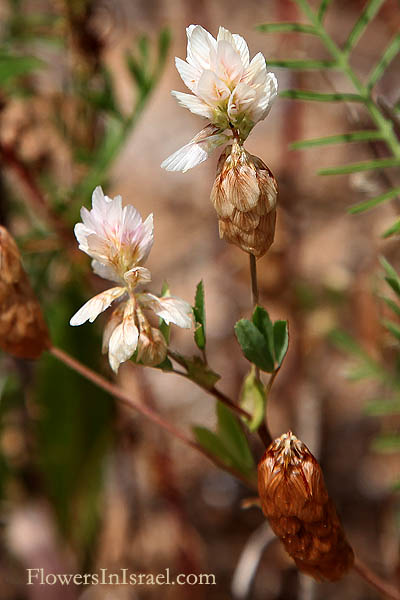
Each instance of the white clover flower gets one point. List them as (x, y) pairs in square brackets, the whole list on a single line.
[(119, 242), (229, 90)]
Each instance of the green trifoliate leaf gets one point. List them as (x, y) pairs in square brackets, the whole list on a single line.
[(255, 346)]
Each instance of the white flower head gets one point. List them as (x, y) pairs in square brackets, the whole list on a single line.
[(114, 236), (119, 242), (229, 90)]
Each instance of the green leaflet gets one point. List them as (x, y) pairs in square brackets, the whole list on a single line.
[(386, 58), (322, 9), (303, 65), (199, 312), (368, 165), (253, 400), (321, 97), (366, 16), (368, 204), (342, 138), (228, 443), (395, 228), (286, 27), (263, 343)]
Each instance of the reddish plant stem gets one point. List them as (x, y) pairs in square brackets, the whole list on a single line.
[(375, 581), (145, 410), (34, 193), (213, 391)]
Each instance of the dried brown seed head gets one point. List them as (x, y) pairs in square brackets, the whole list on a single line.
[(23, 331), (244, 196), (295, 500)]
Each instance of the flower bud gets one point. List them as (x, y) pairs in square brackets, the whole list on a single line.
[(296, 502), (244, 196), (152, 347), (23, 331)]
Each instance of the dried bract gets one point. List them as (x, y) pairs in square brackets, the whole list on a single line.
[(296, 502), (23, 331), (244, 195)]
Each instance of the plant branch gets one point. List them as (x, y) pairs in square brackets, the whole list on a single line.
[(213, 391), (375, 581), (145, 410)]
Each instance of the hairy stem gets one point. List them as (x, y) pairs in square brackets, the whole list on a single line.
[(145, 410)]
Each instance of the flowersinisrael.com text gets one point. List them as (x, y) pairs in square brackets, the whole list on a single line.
[(119, 577)]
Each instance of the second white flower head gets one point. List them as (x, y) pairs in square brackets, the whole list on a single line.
[(119, 242)]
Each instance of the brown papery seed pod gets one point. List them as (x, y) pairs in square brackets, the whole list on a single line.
[(23, 331), (244, 195), (297, 505)]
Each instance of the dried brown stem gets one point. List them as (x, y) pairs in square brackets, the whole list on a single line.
[(375, 581), (145, 410)]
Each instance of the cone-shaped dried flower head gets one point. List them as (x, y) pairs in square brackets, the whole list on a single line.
[(227, 88), (23, 331), (244, 196), (119, 242), (296, 502)]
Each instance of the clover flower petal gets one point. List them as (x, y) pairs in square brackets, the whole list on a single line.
[(96, 305), (196, 151)]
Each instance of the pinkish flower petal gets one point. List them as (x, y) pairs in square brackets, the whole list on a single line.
[(137, 276), (123, 340), (96, 305), (196, 151), (190, 75), (241, 99), (201, 47), (194, 104), (170, 308), (229, 67), (211, 89), (113, 235)]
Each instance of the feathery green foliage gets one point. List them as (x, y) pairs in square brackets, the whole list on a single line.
[(341, 60), (378, 370)]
